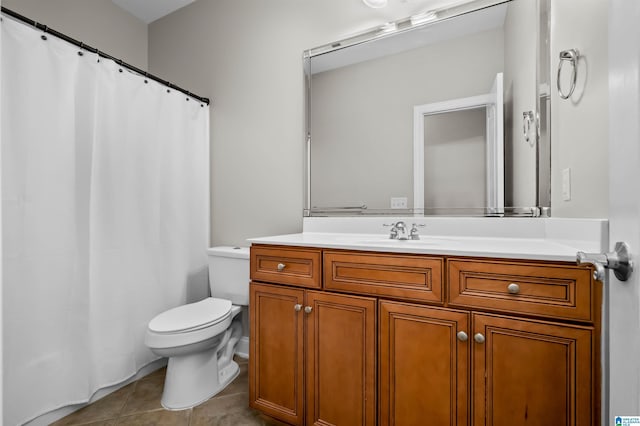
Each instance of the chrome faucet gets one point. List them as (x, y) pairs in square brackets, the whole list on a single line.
[(398, 231)]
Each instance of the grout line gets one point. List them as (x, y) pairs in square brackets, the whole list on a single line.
[(133, 389)]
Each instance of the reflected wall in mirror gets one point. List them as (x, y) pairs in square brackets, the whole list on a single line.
[(367, 146)]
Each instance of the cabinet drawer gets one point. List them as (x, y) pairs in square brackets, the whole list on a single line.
[(408, 277), (549, 290), (286, 265)]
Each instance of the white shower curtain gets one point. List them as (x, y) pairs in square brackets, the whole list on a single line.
[(105, 217)]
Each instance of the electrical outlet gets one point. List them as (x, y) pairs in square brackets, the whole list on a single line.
[(398, 202), (566, 184)]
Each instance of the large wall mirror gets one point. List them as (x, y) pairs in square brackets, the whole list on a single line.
[(442, 113)]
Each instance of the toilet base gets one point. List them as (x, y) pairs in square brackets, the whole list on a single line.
[(195, 378)]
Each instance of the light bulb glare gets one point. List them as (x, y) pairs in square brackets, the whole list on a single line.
[(422, 18), (375, 4)]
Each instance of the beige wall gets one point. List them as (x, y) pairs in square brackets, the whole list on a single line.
[(579, 125), (247, 56), (98, 23)]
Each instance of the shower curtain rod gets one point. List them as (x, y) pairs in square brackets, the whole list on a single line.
[(81, 45)]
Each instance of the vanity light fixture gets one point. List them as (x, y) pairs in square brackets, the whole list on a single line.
[(424, 17), (389, 27), (375, 4)]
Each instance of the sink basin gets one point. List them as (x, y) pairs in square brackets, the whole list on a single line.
[(425, 241), (383, 240)]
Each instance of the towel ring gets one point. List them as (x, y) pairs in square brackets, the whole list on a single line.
[(572, 56)]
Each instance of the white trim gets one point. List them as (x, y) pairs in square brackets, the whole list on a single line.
[(495, 147)]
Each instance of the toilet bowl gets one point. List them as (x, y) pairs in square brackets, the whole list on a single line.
[(200, 338)]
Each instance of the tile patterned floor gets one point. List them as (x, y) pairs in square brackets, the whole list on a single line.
[(138, 403)]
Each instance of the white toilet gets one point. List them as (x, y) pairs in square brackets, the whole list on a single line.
[(200, 338)]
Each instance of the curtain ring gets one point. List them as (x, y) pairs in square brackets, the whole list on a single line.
[(44, 31), (572, 56)]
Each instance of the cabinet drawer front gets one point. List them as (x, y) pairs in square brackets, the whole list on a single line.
[(293, 266), (549, 290), (407, 277)]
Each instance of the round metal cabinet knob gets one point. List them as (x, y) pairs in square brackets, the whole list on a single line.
[(297, 307), (308, 309), (479, 338), (462, 336), (513, 288), (281, 266)]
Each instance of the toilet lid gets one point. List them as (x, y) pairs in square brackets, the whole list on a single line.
[(193, 316)]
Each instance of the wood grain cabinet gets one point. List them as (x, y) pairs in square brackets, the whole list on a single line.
[(276, 352), (423, 365), (450, 367), (393, 339), (405, 277), (286, 265), (529, 372), (312, 356)]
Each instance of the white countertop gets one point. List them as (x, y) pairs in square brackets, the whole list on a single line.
[(512, 248), (544, 239)]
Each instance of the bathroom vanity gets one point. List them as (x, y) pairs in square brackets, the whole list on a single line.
[(484, 320), (355, 329)]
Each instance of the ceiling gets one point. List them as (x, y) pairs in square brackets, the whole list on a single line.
[(150, 10)]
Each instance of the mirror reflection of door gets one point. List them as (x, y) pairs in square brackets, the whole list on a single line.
[(458, 149), (454, 159)]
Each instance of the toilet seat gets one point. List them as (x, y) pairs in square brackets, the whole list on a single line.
[(191, 317)]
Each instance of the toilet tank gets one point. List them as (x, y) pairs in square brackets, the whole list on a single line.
[(229, 273)]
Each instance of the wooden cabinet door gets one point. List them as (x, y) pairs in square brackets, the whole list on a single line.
[(531, 373), (423, 364), (340, 364), (276, 350)]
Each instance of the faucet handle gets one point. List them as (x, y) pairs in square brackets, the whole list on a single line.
[(413, 234), (393, 234)]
